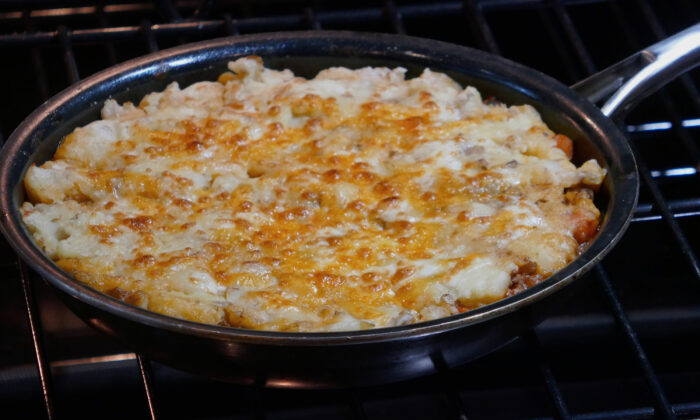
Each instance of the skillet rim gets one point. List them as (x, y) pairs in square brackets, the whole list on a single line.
[(385, 45)]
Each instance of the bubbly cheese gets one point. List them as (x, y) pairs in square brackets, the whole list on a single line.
[(353, 200)]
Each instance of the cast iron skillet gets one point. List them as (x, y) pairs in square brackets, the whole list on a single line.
[(319, 359)]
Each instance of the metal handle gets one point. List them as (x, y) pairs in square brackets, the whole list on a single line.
[(637, 76)]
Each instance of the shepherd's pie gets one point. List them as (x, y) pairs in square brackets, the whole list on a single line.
[(353, 200)]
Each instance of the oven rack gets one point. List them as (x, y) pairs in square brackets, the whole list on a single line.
[(571, 49)]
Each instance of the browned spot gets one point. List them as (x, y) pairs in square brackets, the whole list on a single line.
[(245, 206), (137, 298), (429, 196), (181, 202), (430, 105), (243, 224), (310, 196), (313, 124), (236, 318), (227, 77), (213, 247), (371, 106), (388, 202), (271, 261), (363, 253), (295, 213), (194, 146), (357, 205), (334, 240), (326, 279), (400, 225), (385, 188), (275, 128), (144, 260), (364, 176), (402, 273), (309, 105), (185, 182), (332, 175), (255, 171), (360, 166), (370, 277), (413, 123), (139, 223), (274, 110)]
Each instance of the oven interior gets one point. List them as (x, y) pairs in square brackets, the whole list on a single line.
[(623, 346)]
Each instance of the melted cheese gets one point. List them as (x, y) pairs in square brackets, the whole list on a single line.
[(353, 200)]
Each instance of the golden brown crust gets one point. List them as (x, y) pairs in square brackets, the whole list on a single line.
[(354, 200)]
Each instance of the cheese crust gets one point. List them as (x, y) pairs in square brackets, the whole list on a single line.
[(356, 199)]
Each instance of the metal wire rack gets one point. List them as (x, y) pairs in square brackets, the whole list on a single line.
[(580, 36)]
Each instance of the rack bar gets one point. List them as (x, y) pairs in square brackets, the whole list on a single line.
[(677, 124), (679, 129), (662, 407), (37, 339), (393, 14), (574, 37), (68, 56), (689, 410), (147, 379), (660, 33), (279, 22), (168, 10), (358, 409), (102, 19), (42, 80), (555, 394), (480, 28), (657, 196), (230, 25), (450, 386), (687, 82), (666, 214), (559, 46), (310, 19), (678, 208), (148, 36)]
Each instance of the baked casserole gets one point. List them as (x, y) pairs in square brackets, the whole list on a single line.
[(356, 199)]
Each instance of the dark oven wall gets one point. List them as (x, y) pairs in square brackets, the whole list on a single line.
[(624, 346)]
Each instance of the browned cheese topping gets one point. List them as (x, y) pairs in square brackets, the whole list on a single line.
[(353, 200)]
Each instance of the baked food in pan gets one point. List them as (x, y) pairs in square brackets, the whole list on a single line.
[(353, 200)]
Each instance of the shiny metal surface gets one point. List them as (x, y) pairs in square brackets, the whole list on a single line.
[(625, 83)]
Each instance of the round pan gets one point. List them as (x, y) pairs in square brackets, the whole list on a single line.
[(319, 359)]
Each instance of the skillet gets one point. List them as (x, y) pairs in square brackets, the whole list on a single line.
[(354, 357)]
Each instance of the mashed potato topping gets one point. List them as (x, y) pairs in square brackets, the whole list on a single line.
[(353, 200)]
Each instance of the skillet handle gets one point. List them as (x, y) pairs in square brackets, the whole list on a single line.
[(625, 83)]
